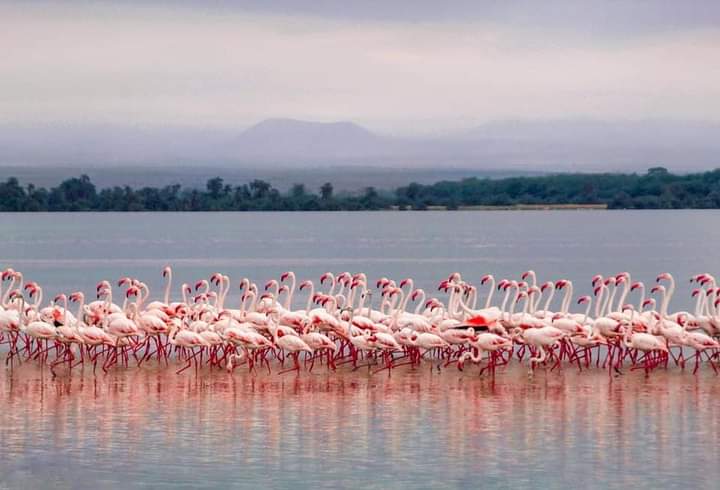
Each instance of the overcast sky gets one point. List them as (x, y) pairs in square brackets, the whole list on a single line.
[(394, 66)]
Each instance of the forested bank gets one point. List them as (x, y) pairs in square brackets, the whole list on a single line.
[(656, 189)]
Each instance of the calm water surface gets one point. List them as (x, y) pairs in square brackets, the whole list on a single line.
[(143, 427)]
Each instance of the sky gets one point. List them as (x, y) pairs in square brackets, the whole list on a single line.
[(400, 67)]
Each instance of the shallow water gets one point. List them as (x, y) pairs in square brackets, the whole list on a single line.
[(149, 427), (349, 430), (66, 252)]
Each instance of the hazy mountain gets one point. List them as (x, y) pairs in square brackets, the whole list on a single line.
[(284, 143), (599, 145), (290, 139)]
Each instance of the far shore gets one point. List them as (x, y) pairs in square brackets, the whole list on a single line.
[(521, 207)]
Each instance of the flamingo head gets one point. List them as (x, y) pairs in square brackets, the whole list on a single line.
[(283, 289), (216, 278), (533, 290), (167, 271), (702, 278), (304, 284), (270, 284), (199, 284), (502, 284), (694, 293), (7, 274), (648, 302), (583, 299), (485, 278), (15, 295), (620, 279), (382, 282), (525, 275), (596, 278), (657, 289), (132, 291), (415, 294), (521, 295), (404, 282), (325, 277), (664, 276), (60, 297), (124, 281), (635, 286), (76, 297), (597, 290), (444, 285), (546, 285), (560, 284)]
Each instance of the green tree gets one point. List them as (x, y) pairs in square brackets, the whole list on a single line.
[(215, 187), (326, 191)]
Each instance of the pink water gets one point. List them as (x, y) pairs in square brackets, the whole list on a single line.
[(152, 427)]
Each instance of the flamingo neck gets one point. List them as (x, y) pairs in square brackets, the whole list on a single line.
[(168, 285), (310, 298), (641, 287), (565, 307), (488, 300), (421, 302), (546, 306), (9, 290), (599, 300)]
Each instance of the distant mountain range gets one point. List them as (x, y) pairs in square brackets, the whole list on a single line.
[(287, 143)]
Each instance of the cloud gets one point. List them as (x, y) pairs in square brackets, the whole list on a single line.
[(396, 66)]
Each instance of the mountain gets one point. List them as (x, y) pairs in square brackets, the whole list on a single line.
[(560, 145), (291, 139), (598, 145)]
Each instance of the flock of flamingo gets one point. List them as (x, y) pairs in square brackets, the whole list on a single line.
[(341, 324)]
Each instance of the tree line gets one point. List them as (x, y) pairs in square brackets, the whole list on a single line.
[(656, 189)]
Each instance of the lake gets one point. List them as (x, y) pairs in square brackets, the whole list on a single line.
[(416, 428)]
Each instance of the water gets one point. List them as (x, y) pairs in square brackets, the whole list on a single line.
[(415, 429), (66, 252)]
